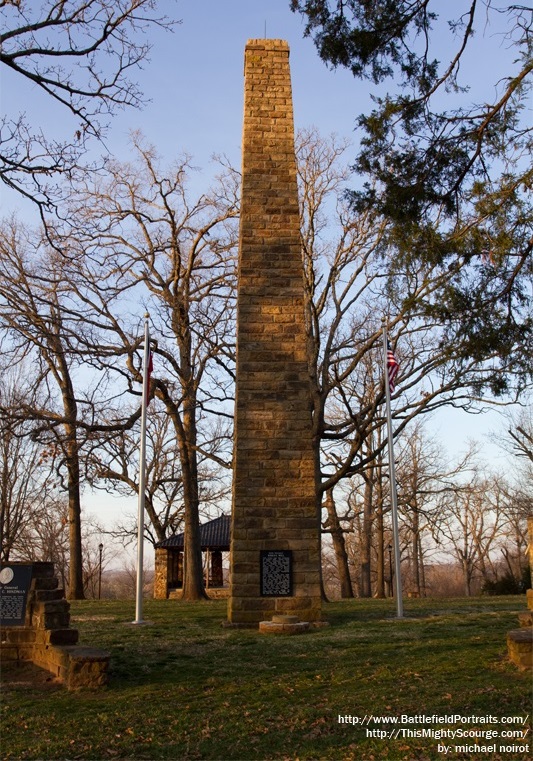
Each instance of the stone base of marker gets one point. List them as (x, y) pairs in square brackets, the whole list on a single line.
[(520, 641), (47, 640), (288, 625), (525, 618), (520, 647)]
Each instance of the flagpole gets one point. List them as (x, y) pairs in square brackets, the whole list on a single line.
[(392, 478), (142, 478)]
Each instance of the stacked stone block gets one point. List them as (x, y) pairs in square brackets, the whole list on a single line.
[(274, 504), (47, 639)]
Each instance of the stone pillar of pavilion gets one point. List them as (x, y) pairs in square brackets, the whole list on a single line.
[(275, 551)]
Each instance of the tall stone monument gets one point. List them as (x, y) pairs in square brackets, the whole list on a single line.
[(275, 553)]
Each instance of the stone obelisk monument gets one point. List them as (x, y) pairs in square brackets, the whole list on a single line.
[(275, 553)]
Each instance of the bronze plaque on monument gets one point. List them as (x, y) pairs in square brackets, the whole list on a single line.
[(276, 573), (15, 581)]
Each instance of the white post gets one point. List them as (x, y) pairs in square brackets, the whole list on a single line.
[(392, 478), (142, 479)]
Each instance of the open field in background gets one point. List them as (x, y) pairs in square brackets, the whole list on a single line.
[(185, 688)]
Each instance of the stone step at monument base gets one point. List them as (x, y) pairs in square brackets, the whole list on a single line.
[(26, 636), (75, 665), (520, 647), (285, 624), (15, 651)]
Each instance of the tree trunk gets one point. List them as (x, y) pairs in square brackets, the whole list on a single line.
[(193, 579), (466, 576), (76, 591), (415, 529), (319, 492), (422, 569), (380, 561), (339, 546), (366, 539), (380, 538)]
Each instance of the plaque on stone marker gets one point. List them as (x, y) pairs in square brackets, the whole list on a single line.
[(15, 581), (276, 573)]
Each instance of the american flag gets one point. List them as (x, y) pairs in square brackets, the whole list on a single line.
[(392, 366), (149, 375)]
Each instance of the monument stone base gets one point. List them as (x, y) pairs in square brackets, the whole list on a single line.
[(289, 625)]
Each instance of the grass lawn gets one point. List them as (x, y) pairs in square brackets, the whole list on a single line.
[(185, 688)]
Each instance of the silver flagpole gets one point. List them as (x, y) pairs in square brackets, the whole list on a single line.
[(142, 479), (392, 478)]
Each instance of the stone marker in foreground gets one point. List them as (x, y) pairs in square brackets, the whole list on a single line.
[(275, 552), (35, 626)]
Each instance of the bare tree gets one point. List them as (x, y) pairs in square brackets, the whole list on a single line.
[(425, 481), (43, 327), (24, 468), (114, 466), (521, 435), (353, 278), (47, 538), (472, 526), (513, 542), (140, 230), (33, 319), (334, 525), (80, 56)]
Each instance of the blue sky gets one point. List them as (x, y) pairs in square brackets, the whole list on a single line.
[(194, 81), (195, 77)]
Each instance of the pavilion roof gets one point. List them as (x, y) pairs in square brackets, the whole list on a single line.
[(214, 535)]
